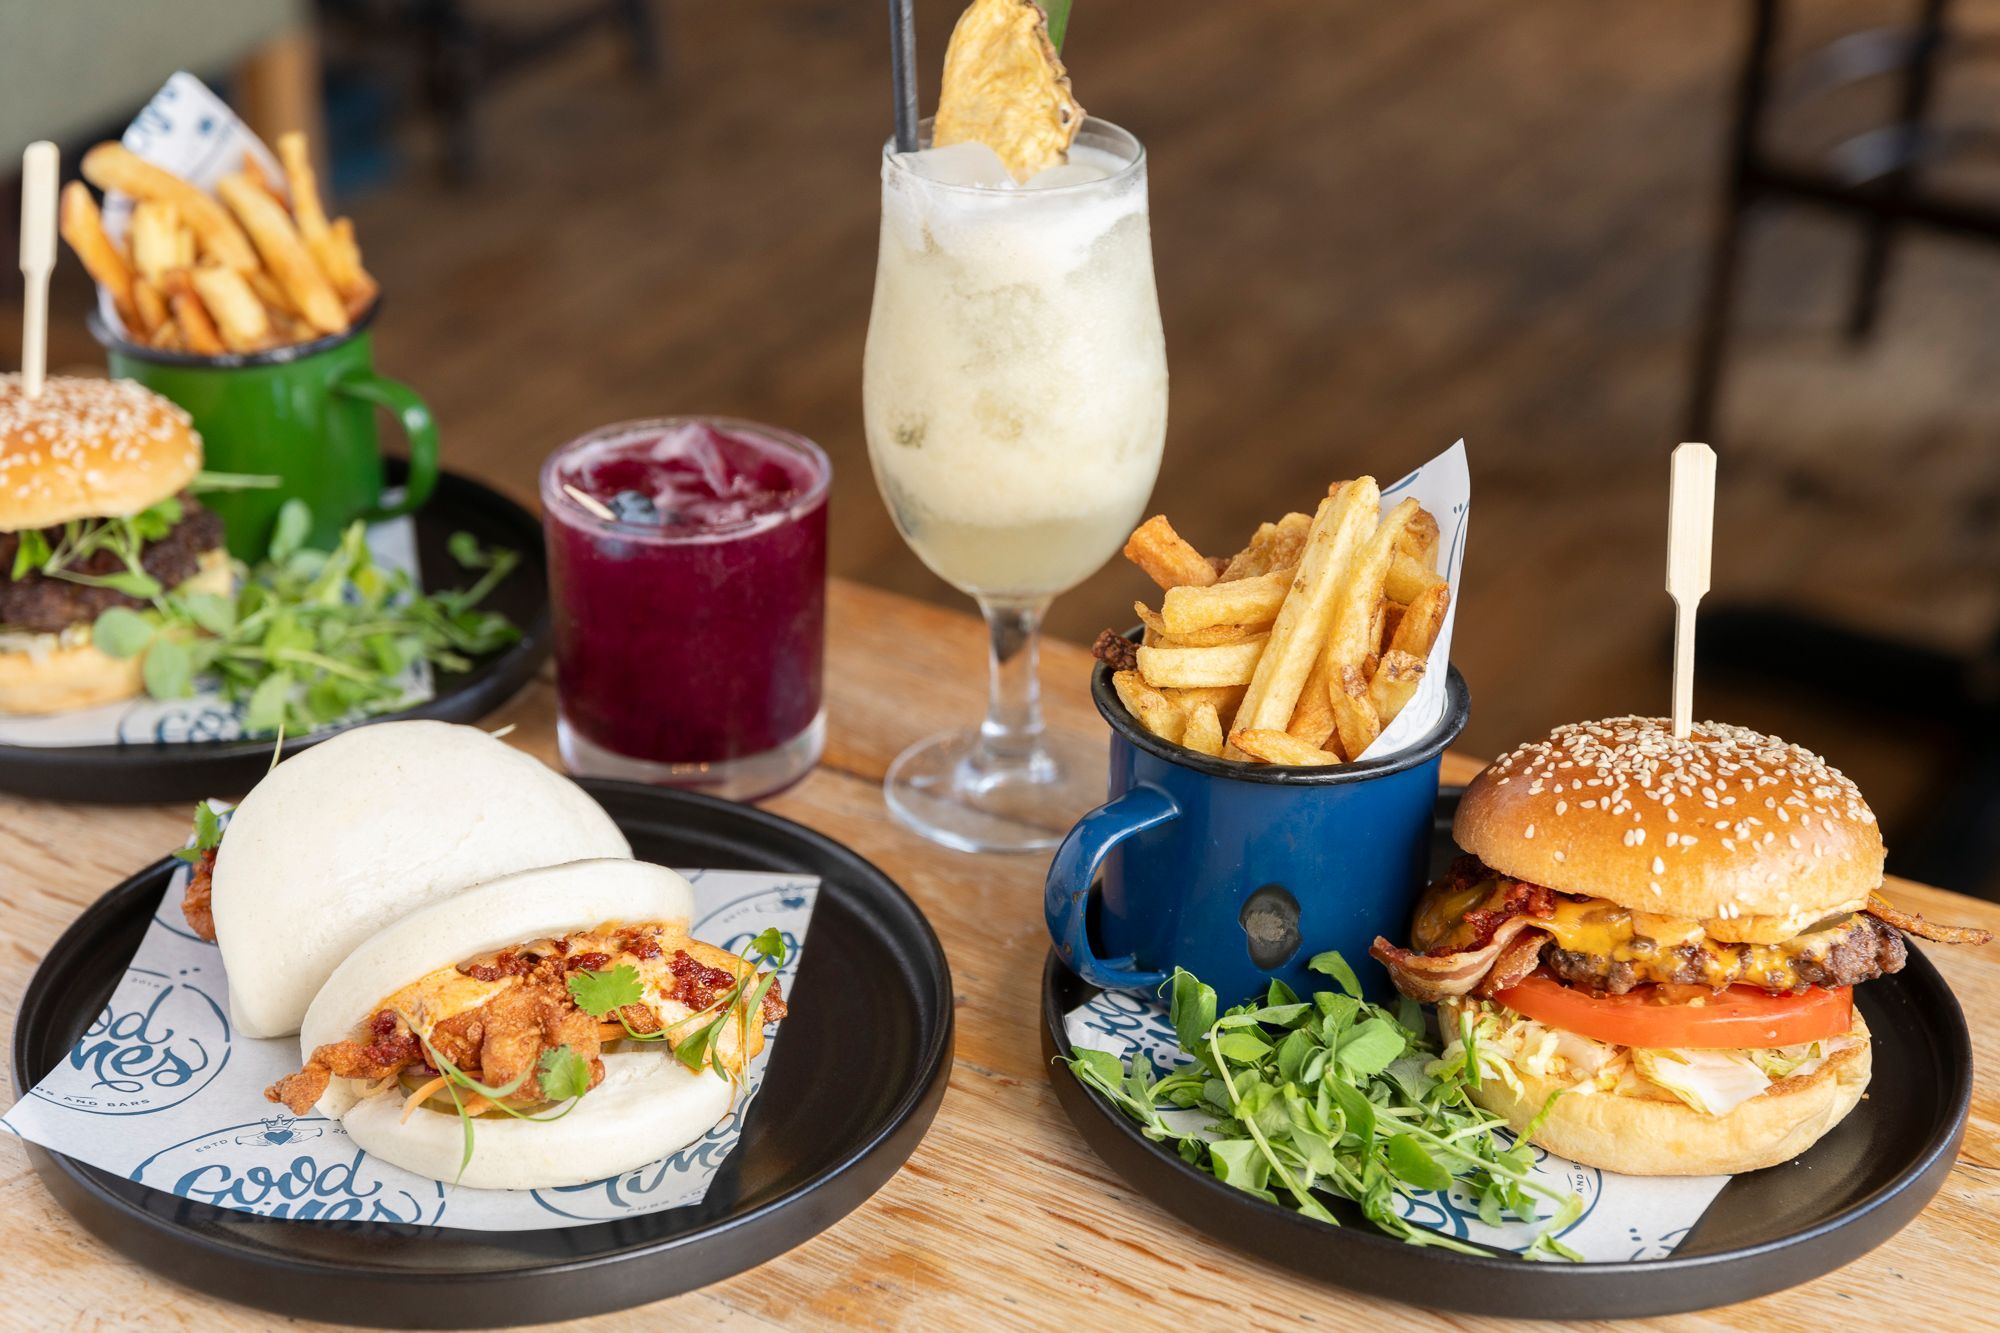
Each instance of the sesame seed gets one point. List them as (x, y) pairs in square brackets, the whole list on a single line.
[(1659, 866)]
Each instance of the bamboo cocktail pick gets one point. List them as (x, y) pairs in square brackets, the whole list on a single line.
[(1690, 533), (38, 259)]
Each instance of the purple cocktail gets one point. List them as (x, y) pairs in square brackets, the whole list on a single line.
[(689, 592)]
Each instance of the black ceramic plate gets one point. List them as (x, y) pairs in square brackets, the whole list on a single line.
[(1766, 1231), (848, 1095), (190, 770)]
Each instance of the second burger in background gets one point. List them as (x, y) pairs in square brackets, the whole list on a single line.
[(94, 514), (1650, 954)]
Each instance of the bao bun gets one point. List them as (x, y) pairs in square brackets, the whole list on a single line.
[(89, 448), (648, 1106), (1642, 1136), (1750, 834), (367, 827)]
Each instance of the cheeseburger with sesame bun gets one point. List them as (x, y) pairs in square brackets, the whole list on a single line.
[(93, 514), (1650, 953)]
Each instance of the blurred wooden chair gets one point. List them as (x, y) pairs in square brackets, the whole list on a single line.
[(464, 49), (1876, 179)]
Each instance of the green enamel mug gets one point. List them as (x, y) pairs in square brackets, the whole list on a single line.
[(304, 414)]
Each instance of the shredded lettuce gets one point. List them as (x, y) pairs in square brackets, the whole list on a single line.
[(1503, 1045)]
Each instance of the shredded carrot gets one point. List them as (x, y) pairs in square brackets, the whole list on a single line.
[(421, 1095), (610, 1031)]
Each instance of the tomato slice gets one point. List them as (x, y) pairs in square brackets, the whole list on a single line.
[(1664, 1017)]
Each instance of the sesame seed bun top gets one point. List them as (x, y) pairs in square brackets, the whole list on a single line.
[(89, 448), (1753, 836)]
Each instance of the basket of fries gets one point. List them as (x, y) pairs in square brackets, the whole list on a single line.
[(1275, 751)]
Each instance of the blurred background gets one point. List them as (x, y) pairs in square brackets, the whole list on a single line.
[(1574, 233)]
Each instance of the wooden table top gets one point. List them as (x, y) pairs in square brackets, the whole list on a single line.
[(1003, 1215)]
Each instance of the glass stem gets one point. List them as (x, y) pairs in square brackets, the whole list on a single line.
[(1012, 731)]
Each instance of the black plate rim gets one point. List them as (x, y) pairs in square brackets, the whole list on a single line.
[(1585, 1290), (191, 770), (872, 1162)]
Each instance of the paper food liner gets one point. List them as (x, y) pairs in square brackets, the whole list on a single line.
[(205, 715), (188, 130), (1444, 487), (1624, 1218), (161, 1091)]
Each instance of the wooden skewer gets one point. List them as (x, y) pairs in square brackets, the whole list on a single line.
[(1690, 534), (39, 163), (590, 502)]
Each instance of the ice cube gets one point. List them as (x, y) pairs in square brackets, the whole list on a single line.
[(962, 164), (1065, 173)]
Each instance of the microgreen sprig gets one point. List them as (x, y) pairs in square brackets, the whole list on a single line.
[(311, 638), (1334, 1095), (562, 1075), (604, 995)]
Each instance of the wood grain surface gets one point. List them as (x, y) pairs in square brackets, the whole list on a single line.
[(1002, 1217)]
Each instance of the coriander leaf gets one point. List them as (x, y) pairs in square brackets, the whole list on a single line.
[(1333, 965), (121, 632), (769, 945), (599, 993), (563, 1074)]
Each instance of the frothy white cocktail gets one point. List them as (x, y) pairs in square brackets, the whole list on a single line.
[(1015, 384)]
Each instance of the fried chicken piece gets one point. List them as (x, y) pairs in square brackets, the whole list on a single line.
[(390, 1049), (195, 902)]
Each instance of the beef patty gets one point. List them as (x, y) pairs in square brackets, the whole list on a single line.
[(40, 604), (1867, 948)]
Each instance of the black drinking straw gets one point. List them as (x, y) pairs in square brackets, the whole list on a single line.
[(903, 72)]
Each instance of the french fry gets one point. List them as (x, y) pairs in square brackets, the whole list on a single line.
[(1232, 664), (284, 253), (155, 238), (1224, 699), (150, 307), (259, 177), (1203, 733), (1277, 747), (1422, 623), (1251, 601), (1392, 616), (1210, 637), (1312, 719), (1408, 580), (83, 228), (1395, 682), (1373, 657), (1166, 557), (1420, 540), (1150, 707), (1299, 634), (1273, 546), (269, 292), (239, 315), (168, 338), (112, 166), (351, 280), (198, 331), (1354, 717), (1353, 634), (186, 249)]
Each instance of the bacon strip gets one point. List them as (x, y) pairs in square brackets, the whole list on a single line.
[(1434, 977), (1879, 908)]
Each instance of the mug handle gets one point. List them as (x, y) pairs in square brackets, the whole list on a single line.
[(1066, 894), (402, 402)]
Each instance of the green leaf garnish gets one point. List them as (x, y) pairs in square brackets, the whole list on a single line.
[(599, 993), (207, 834), (563, 1074), (121, 632), (701, 1048), (1330, 1096), (1058, 15)]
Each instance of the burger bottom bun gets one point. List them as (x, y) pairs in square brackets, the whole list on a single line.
[(648, 1106), (62, 673), (1643, 1137)]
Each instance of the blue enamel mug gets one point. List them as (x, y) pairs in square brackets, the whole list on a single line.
[(1242, 872)]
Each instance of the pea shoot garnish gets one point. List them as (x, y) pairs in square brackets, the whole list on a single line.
[(1330, 1096)]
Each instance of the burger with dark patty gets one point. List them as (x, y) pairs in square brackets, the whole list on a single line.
[(1666, 933), (94, 513)]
